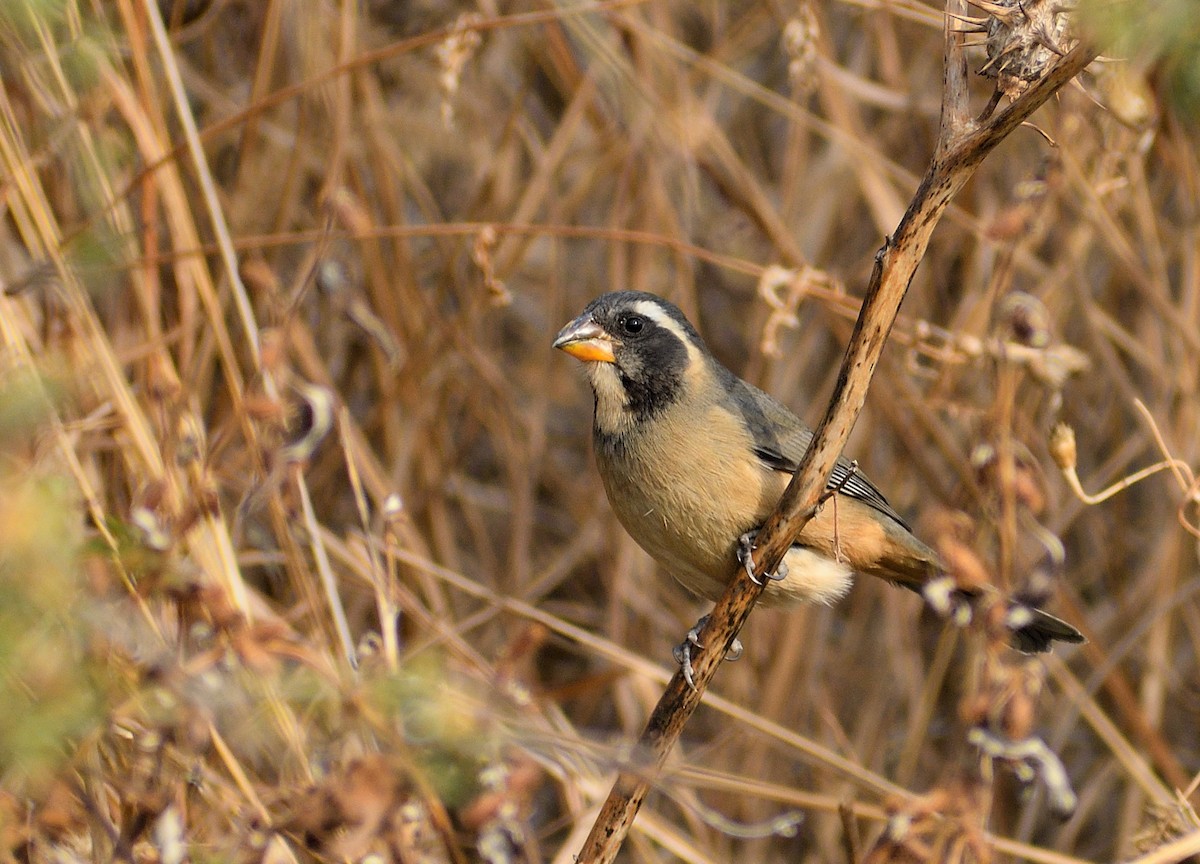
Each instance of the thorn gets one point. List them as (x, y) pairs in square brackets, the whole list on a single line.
[(996, 10), (1041, 132), (1043, 38)]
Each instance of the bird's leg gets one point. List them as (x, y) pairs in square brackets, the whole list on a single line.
[(745, 555), (683, 651), (832, 492), (834, 489)]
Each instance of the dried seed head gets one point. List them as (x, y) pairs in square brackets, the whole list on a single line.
[(394, 517), (1062, 447), (800, 36), (393, 507), (1023, 39), (482, 252), (150, 529), (1057, 363), (332, 276), (1027, 319), (191, 438), (314, 420), (453, 54), (162, 381)]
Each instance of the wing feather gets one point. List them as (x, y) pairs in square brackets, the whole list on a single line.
[(781, 440)]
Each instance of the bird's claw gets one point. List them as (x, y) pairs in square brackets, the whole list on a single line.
[(735, 651), (683, 651), (746, 556)]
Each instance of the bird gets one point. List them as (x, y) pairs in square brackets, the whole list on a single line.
[(694, 459)]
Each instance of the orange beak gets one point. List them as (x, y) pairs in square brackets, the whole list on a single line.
[(586, 340)]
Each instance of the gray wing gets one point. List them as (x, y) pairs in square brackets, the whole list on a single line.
[(780, 441)]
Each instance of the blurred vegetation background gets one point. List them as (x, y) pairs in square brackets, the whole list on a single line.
[(302, 553)]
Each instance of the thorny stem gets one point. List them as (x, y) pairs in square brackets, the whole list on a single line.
[(959, 152)]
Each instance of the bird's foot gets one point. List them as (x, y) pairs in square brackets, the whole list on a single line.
[(745, 555), (683, 651)]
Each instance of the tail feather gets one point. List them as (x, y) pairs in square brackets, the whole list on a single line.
[(1033, 631), (911, 564), (1041, 631)]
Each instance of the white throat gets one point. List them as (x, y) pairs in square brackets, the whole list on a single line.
[(612, 402)]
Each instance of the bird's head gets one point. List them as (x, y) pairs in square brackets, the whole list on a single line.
[(640, 354)]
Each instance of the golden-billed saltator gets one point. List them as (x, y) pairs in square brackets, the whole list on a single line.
[(694, 459)]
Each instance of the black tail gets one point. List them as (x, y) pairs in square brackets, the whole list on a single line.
[(1035, 631)]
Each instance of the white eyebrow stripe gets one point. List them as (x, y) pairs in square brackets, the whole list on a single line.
[(650, 309)]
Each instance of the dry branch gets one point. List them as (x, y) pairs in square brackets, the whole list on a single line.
[(959, 152)]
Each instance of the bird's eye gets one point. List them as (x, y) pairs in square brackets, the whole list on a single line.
[(632, 324)]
